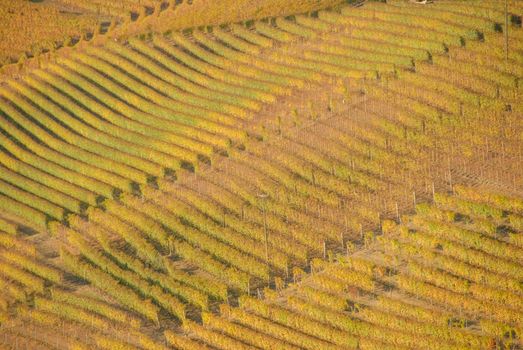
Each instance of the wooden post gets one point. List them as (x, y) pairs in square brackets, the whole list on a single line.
[(266, 232), (365, 96), (506, 31), (263, 198), (450, 174), (450, 181)]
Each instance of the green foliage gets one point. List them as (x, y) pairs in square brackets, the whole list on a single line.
[(106, 283)]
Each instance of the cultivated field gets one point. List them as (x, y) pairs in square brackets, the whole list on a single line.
[(32, 30), (348, 178)]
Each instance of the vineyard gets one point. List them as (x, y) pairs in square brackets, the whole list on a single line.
[(33, 30), (313, 176), (22, 31)]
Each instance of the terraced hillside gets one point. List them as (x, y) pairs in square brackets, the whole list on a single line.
[(178, 189)]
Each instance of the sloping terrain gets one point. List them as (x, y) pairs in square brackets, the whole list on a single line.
[(152, 183), (33, 31), (448, 277), (33, 27)]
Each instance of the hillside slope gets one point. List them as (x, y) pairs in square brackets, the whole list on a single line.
[(152, 183), (35, 30)]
